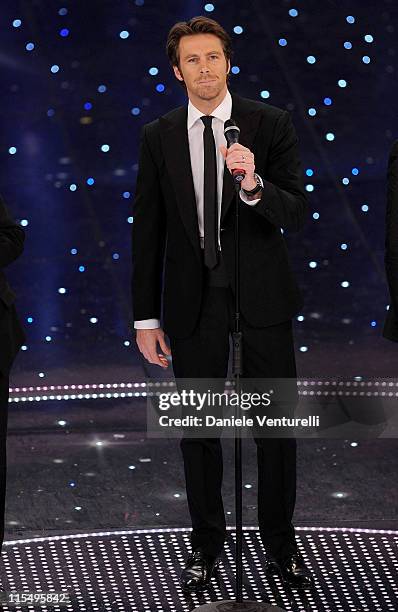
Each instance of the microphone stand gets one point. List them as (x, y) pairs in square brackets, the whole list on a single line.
[(237, 605)]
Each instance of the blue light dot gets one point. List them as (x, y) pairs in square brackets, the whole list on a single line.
[(124, 34), (73, 187), (342, 83), (48, 338), (364, 208), (312, 112), (54, 69), (209, 7), (293, 13), (160, 87), (88, 106), (345, 284), (50, 112), (24, 223), (115, 256), (313, 264), (264, 93), (347, 45), (135, 111), (130, 219), (73, 251), (345, 181), (93, 320), (300, 318), (72, 484), (330, 136), (30, 46), (82, 268), (153, 71), (309, 187), (350, 19), (63, 11), (62, 290), (238, 29), (105, 148), (309, 172), (101, 88), (90, 181), (327, 101), (366, 59), (24, 348), (282, 42), (12, 150), (126, 194), (343, 246), (235, 69), (64, 32), (30, 320), (355, 171), (126, 343), (311, 59), (315, 215), (373, 323), (303, 349), (17, 23), (368, 38)]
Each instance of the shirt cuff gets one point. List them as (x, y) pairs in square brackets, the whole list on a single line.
[(246, 200), (147, 324)]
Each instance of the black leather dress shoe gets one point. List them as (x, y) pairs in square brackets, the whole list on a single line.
[(292, 570), (198, 571)]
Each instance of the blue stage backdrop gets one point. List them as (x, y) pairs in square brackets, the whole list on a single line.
[(80, 79)]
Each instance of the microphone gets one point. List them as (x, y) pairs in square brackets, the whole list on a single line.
[(231, 133)]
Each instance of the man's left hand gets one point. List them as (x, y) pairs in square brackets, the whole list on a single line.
[(238, 156)]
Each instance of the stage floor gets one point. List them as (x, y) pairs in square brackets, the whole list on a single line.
[(138, 570)]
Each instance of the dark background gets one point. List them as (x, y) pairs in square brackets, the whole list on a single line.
[(59, 142)]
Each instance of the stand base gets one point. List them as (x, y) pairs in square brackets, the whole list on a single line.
[(232, 606)]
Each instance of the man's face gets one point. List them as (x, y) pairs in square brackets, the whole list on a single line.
[(203, 66)]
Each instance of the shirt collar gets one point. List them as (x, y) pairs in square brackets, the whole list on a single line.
[(222, 112)]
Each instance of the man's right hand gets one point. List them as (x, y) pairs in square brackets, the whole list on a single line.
[(147, 341)]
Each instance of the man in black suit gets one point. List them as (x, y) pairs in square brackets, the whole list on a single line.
[(390, 330), (184, 223), (12, 337)]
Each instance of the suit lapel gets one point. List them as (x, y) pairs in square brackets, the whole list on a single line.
[(174, 136), (247, 119)]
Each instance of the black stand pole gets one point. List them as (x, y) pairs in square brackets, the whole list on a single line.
[(238, 605)]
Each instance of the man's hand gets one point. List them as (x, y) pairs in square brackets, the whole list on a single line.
[(238, 156), (147, 341)]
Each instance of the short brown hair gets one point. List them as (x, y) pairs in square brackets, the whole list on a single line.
[(196, 25)]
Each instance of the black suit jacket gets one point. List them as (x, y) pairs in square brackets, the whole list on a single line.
[(166, 247), (390, 330), (12, 337)]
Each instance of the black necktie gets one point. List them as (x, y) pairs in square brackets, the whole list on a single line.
[(210, 194)]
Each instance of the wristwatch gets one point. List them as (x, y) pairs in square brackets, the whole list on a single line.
[(257, 188)]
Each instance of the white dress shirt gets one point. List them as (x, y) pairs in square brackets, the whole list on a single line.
[(195, 129)]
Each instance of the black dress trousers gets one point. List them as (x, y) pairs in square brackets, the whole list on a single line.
[(267, 353), (4, 383)]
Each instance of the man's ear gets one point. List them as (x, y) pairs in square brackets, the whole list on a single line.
[(178, 73), (228, 66)]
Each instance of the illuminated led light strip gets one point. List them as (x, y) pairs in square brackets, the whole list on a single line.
[(141, 394), (137, 394), (188, 530), (122, 385)]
